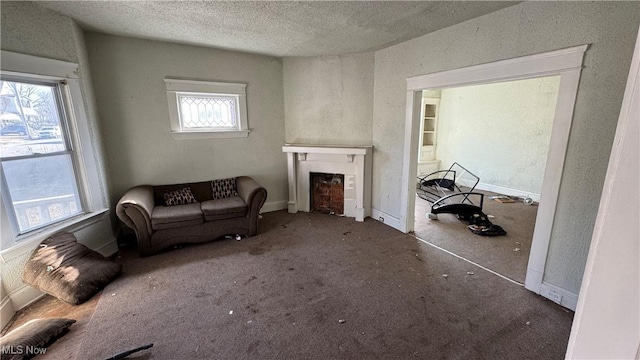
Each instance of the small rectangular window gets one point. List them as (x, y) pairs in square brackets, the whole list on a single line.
[(203, 109), (38, 175), (204, 112)]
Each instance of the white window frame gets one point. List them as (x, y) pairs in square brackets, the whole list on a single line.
[(90, 182), (62, 104), (176, 87)]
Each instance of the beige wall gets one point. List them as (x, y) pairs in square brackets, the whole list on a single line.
[(500, 132), (128, 75), (32, 30), (29, 29), (606, 324), (329, 99), (523, 29)]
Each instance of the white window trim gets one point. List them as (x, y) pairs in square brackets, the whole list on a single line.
[(87, 169), (175, 86)]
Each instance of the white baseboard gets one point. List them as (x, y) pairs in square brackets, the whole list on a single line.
[(274, 206), (106, 247), (504, 190), (387, 219), (559, 296), (6, 311), (24, 296), (533, 280)]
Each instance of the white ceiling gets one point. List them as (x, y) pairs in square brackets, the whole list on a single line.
[(279, 28)]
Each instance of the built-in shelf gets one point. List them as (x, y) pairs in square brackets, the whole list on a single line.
[(428, 128)]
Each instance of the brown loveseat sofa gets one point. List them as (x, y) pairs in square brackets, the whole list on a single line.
[(216, 208)]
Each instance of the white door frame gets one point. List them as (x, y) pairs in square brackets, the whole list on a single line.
[(565, 62)]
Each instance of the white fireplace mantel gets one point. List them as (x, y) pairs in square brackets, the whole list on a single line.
[(354, 162)]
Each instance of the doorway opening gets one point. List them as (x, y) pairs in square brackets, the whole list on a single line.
[(565, 63), (498, 136)]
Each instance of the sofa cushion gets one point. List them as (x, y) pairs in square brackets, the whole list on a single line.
[(165, 217), (68, 270), (33, 337), (179, 197), (224, 188), (223, 208)]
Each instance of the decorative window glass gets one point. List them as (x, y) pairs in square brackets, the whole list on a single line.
[(199, 112), (203, 109), (39, 183)]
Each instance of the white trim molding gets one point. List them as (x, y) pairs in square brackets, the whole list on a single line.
[(27, 65), (538, 65), (26, 244), (274, 206), (93, 225), (559, 295), (567, 63), (387, 219), (354, 162)]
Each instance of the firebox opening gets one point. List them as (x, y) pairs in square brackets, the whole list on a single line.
[(327, 193)]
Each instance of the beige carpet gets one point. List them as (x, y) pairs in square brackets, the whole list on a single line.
[(318, 286), (507, 255)]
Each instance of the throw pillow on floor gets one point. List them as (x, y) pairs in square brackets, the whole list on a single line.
[(68, 270), (32, 338)]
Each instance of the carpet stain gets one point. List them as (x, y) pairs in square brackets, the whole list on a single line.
[(201, 295), (257, 251), (250, 280)]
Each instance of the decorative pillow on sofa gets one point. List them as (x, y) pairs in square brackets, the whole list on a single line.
[(179, 197), (68, 270), (224, 188), (32, 338)]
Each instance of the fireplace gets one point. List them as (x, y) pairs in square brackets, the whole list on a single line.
[(353, 163), (327, 193)]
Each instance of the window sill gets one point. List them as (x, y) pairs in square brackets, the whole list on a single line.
[(26, 243), (196, 135)]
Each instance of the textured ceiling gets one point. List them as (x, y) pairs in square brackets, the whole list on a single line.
[(279, 28)]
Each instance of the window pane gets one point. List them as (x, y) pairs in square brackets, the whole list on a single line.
[(29, 119), (208, 112), (43, 190)]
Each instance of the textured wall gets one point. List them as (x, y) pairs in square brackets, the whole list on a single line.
[(606, 324), (132, 102), (329, 99), (31, 30), (499, 131), (523, 29)]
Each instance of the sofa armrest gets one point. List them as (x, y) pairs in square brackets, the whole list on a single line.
[(254, 195), (134, 209)]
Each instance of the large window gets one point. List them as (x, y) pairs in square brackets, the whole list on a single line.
[(39, 183), (204, 109)]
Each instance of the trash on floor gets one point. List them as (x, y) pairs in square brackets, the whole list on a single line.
[(491, 230), (125, 354), (510, 199), (480, 224), (502, 199)]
